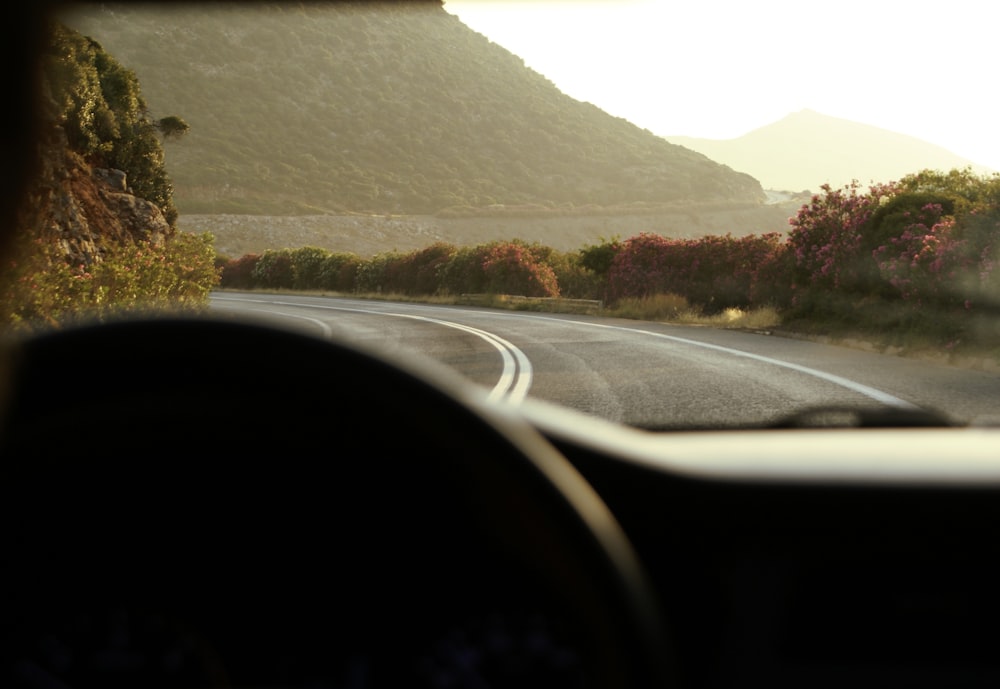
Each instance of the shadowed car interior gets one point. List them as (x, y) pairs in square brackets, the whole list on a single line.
[(199, 502)]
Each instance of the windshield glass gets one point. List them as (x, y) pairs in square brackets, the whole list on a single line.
[(721, 215)]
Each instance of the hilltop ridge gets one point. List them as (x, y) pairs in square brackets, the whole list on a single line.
[(382, 108)]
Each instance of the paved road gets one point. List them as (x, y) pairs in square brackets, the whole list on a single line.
[(646, 374)]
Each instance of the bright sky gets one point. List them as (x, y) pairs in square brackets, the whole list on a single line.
[(721, 68)]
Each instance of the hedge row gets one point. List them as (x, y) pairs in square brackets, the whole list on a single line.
[(508, 267), (927, 241)]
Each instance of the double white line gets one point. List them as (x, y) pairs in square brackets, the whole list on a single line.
[(515, 376)]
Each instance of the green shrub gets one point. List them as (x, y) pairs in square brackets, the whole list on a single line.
[(307, 266), (101, 108), (339, 272), (274, 270), (599, 257), (375, 275), (463, 272), (419, 272), (575, 279), (41, 289)]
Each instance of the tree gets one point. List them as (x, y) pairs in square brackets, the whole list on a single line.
[(172, 127)]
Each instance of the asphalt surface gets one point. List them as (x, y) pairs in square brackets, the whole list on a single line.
[(639, 373)]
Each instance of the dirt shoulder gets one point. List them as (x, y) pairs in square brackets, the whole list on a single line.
[(975, 361)]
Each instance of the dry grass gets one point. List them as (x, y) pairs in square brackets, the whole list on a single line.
[(761, 318), (539, 304), (656, 307), (672, 308)]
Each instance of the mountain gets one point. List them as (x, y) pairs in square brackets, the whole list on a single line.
[(390, 108), (807, 149)]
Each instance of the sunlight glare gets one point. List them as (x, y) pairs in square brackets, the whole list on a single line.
[(719, 69)]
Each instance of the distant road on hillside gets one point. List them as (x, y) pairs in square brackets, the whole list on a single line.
[(366, 235)]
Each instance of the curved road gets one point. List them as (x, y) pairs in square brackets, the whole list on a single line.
[(635, 372)]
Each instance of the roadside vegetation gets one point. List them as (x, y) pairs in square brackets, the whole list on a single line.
[(40, 289), (78, 257), (909, 265)]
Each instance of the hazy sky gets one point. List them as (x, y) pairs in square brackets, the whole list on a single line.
[(721, 68)]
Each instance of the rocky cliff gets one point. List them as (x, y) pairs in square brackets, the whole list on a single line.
[(82, 209)]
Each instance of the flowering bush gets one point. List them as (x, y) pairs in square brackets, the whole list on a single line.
[(925, 261), (916, 255), (640, 267), (238, 273), (716, 272), (773, 275), (512, 268), (852, 254), (826, 238)]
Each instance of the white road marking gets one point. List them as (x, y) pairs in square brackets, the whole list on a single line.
[(870, 392), (515, 377)]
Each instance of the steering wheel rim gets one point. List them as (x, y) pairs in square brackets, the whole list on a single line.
[(119, 385)]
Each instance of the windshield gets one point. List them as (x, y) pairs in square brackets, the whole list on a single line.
[(717, 215)]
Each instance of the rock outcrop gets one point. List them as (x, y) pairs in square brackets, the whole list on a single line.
[(85, 210)]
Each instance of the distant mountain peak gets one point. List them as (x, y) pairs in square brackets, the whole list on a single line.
[(806, 149)]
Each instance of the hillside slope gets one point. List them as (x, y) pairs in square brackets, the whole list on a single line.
[(807, 149), (386, 108), (100, 180)]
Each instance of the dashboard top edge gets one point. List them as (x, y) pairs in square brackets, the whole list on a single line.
[(951, 456)]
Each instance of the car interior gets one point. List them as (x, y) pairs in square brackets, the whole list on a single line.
[(198, 502)]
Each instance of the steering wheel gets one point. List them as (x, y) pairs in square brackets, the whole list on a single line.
[(262, 484)]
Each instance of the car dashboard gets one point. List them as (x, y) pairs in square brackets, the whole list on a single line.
[(203, 504), (812, 557)]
